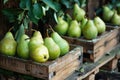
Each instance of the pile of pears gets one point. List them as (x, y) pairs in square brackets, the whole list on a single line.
[(111, 16), (78, 25), (35, 48)]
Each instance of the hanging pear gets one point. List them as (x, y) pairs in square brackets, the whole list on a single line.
[(62, 26), (22, 47), (74, 29), (78, 13), (90, 31), (100, 25), (8, 45)]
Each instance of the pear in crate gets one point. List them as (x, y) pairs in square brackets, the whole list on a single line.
[(78, 13), (100, 25), (22, 47), (107, 13), (115, 19), (90, 31), (83, 22), (38, 51), (62, 26), (74, 30), (8, 45), (35, 40), (53, 48), (62, 43), (40, 54)]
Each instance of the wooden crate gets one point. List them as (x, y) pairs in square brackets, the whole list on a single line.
[(111, 65), (57, 69), (94, 49)]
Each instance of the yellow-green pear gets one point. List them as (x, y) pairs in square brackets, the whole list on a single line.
[(100, 25), (107, 13), (62, 26), (115, 19), (8, 45), (74, 30), (40, 54), (35, 40), (22, 47), (90, 31), (78, 13), (62, 43), (53, 48), (83, 22)]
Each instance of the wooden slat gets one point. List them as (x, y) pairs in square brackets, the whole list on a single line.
[(90, 68)]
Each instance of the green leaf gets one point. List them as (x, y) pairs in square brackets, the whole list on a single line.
[(26, 22), (54, 5), (66, 3), (5, 1), (22, 4), (25, 4), (32, 17), (37, 11), (19, 32), (20, 16), (10, 14)]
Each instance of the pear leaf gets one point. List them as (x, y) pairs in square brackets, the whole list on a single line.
[(37, 10), (55, 6), (19, 33)]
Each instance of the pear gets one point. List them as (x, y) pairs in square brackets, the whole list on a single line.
[(40, 54), (90, 31), (22, 47), (8, 45), (62, 26), (100, 25), (107, 13), (115, 19), (78, 13), (74, 29), (62, 43), (83, 22), (53, 48), (35, 41)]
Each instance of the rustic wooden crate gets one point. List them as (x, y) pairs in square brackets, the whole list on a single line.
[(94, 49), (111, 66), (57, 69)]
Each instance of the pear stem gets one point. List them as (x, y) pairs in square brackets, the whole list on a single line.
[(47, 33), (33, 30), (10, 28), (51, 28)]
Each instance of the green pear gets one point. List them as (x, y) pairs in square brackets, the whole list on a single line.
[(107, 13), (40, 54), (62, 26), (115, 19), (62, 43), (22, 47), (100, 25), (74, 30), (53, 48), (83, 22), (8, 45), (35, 41), (78, 13), (90, 31)]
